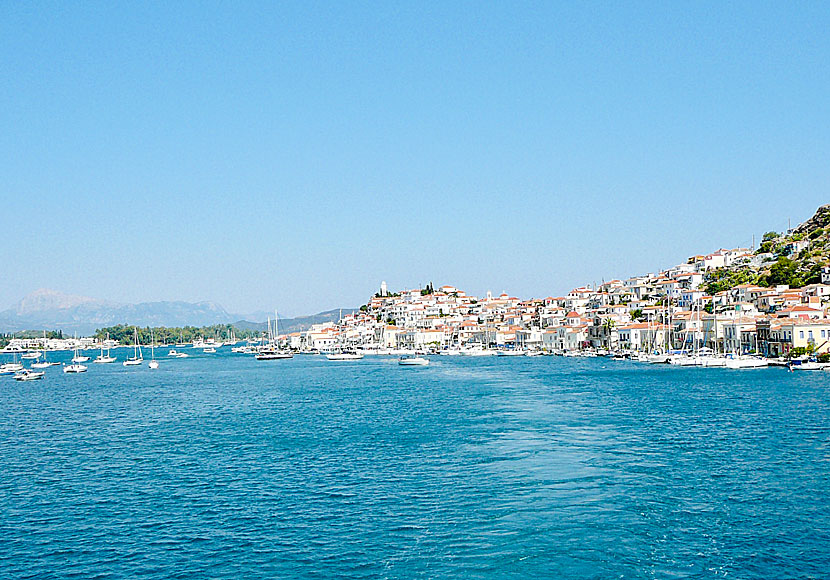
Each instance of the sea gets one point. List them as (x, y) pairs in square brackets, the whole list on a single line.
[(220, 466)]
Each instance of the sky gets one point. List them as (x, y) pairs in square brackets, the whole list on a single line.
[(294, 155)]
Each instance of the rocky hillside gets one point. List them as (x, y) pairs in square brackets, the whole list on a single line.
[(795, 258)]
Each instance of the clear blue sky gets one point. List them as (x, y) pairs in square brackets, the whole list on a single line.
[(293, 155)]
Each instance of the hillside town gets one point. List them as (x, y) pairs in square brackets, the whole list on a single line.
[(666, 311)]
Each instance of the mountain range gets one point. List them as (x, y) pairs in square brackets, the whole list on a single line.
[(53, 310)]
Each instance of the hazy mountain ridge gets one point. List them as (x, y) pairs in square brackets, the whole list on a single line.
[(298, 323), (50, 309)]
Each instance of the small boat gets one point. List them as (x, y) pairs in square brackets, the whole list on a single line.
[(534, 353), (43, 364), (807, 365), (137, 358), (74, 368), (344, 356), (31, 355), (10, 368), (413, 361), (27, 375), (209, 350), (176, 354), (273, 355), (104, 359), (507, 352), (79, 358), (154, 364)]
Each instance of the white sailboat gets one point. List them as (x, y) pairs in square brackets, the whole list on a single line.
[(137, 358), (101, 358), (75, 367), (272, 351), (12, 367), (42, 364), (153, 362)]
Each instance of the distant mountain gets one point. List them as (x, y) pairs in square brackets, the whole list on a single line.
[(53, 310), (299, 323)]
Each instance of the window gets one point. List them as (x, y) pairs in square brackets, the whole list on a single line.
[(800, 334), (822, 334)]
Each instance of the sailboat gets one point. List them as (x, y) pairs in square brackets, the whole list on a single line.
[(42, 364), (79, 358), (101, 359), (154, 364), (342, 354), (272, 351), (12, 367), (136, 359), (75, 367)]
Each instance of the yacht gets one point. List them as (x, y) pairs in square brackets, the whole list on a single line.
[(806, 365), (10, 368), (344, 355), (273, 355), (75, 368), (27, 375), (413, 361), (745, 362), (101, 358), (137, 358)]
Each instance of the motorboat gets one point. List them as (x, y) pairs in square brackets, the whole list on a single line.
[(344, 356), (746, 362), (75, 368), (176, 354), (273, 355), (209, 350), (31, 355), (413, 361), (508, 352), (806, 365), (27, 375)]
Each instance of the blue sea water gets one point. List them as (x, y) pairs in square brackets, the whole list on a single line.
[(220, 466)]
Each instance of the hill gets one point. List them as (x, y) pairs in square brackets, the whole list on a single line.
[(795, 258)]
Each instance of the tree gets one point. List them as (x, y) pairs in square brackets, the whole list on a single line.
[(784, 271)]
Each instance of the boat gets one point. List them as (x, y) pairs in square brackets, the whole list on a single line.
[(31, 355), (806, 365), (534, 353), (154, 364), (27, 375), (75, 368), (209, 350), (273, 355), (413, 361), (10, 368), (344, 355), (80, 358), (508, 352), (745, 362), (176, 354), (104, 359), (137, 358)]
